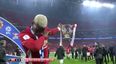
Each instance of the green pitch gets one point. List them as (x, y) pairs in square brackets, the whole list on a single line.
[(73, 61)]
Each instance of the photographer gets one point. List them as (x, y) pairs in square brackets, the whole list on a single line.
[(2, 52)]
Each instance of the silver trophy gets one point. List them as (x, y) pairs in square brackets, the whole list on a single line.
[(68, 32)]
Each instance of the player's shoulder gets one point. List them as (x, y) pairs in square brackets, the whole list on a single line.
[(25, 31)]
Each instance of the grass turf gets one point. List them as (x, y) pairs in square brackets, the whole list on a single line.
[(73, 61)]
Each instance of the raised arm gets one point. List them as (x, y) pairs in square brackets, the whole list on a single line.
[(30, 43)]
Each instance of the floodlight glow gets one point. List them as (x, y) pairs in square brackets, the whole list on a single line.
[(86, 3), (108, 5), (97, 4), (92, 4)]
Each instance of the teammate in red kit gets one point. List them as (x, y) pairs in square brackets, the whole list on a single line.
[(34, 38), (68, 52)]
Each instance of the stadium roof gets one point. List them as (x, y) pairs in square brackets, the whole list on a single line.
[(59, 11)]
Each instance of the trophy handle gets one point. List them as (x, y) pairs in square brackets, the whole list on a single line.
[(73, 36)]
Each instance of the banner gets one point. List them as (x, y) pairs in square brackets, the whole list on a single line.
[(10, 31), (99, 38)]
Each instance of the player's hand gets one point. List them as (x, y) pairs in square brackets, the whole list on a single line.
[(46, 34), (75, 25), (45, 43), (60, 26)]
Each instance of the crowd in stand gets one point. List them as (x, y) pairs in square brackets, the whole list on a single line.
[(10, 48)]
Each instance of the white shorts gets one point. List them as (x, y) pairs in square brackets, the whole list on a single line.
[(68, 55), (88, 53), (61, 61)]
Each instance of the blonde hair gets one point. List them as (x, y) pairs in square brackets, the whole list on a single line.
[(41, 20)]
